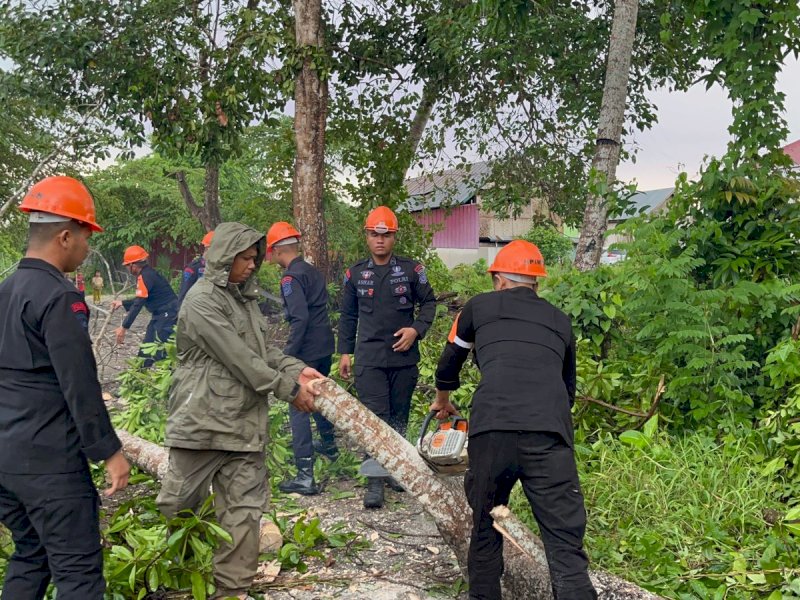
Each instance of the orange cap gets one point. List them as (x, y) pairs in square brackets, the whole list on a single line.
[(62, 196), (381, 220), (280, 231), (207, 239), (520, 257), (134, 254)]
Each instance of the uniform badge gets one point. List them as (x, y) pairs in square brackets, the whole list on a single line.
[(423, 276), (400, 289), (370, 292), (367, 274), (286, 285), (402, 300), (347, 276)]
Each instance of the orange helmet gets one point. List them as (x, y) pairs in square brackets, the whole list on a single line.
[(207, 239), (381, 220), (520, 257), (134, 254), (280, 231), (62, 196)]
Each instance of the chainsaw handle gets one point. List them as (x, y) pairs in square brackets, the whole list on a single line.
[(425, 424)]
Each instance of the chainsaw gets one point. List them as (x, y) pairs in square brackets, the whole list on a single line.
[(445, 449)]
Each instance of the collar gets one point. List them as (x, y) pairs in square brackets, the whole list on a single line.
[(296, 259), (392, 262), (38, 263)]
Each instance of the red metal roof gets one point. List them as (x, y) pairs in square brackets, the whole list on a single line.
[(457, 227), (793, 150)]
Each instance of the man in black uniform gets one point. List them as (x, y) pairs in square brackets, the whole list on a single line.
[(152, 292), (305, 300), (520, 424), (52, 415), (378, 300), (195, 269)]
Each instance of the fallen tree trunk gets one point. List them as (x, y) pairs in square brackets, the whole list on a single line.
[(526, 574)]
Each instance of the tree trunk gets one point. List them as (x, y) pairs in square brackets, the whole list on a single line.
[(609, 131), (311, 109), (211, 196), (526, 574), (208, 214), (421, 117)]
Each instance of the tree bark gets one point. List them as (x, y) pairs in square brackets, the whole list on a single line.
[(609, 131), (421, 117), (311, 110), (208, 214), (526, 574)]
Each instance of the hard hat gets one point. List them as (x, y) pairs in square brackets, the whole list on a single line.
[(381, 220), (282, 232), (207, 239), (520, 257), (62, 196), (134, 254)]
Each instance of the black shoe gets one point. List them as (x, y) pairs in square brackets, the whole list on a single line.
[(327, 449), (373, 498), (394, 484), (303, 483)]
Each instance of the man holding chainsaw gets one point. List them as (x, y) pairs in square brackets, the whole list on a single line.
[(520, 425), (378, 301)]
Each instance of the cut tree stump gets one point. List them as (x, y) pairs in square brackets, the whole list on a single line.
[(526, 574)]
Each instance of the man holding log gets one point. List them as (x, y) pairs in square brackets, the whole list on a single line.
[(219, 418), (520, 423)]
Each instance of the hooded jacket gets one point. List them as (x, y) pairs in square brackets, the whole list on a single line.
[(226, 365)]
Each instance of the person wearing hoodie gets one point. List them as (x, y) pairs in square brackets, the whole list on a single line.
[(218, 418)]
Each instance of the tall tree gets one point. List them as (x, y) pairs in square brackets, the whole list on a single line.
[(311, 112), (186, 76), (609, 132)]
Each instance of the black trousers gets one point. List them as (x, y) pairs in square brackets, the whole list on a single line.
[(302, 442), (53, 521), (545, 465), (160, 327), (387, 392)]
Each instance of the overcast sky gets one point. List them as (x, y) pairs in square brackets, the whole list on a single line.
[(694, 124)]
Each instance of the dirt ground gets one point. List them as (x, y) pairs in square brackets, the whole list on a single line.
[(398, 555)]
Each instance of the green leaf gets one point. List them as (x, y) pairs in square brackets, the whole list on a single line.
[(198, 586), (633, 438)]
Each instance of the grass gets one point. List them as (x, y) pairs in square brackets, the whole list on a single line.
[(687, 517)]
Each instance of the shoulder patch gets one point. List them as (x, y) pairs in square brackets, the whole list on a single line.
[(347, 275), (80, 307), (421, 274), (286, 285), (81, 312)]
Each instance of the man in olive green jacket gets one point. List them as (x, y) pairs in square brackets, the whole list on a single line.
[(218, 419)]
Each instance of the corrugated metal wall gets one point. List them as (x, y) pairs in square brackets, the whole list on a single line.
[(457, 228)]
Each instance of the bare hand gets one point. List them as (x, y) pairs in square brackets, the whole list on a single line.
[(115, 304), (345, 363), (442, 405), (120, 331), (118, 471), (304, 401), (309, 374), (407, 337)]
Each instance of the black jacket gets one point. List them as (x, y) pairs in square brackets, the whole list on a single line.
[(154, 293), (305, 300), (52, 414), (377, 300), (193, 271), (525, 350)]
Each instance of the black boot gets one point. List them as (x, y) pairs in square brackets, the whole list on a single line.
[(303, 483), (373, 498), (327, 448)]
